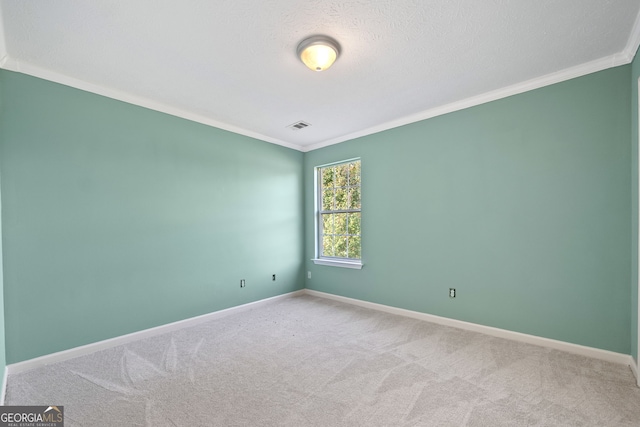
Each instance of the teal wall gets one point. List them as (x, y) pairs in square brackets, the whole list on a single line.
[(3, 362), (635, 74), (117, 218), (2, 337), (521, 204)]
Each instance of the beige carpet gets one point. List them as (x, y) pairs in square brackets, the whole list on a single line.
[(307, 361)]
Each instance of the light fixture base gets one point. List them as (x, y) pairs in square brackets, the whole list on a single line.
[(318, 52)]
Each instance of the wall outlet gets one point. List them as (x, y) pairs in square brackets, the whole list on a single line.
[(273, 277), (242, 283), (452, 292), (308, 275)]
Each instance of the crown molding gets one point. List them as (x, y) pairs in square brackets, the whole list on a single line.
[(43, 73), (634, 41), (622, 58), (3, 43)]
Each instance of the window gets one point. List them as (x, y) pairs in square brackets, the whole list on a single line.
[(338, 207)]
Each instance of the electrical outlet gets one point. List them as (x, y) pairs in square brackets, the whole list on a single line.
[(452, 292), (242, 283), (273, 277), (308, 275)]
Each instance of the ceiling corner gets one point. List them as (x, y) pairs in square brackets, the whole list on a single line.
[(4, 56), (9, 63), (97, 57), (634, 40)]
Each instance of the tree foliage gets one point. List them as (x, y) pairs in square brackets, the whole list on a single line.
[(340, 210)]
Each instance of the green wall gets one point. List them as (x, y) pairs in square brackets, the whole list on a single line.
[(3, 360), (635, 74), (2, 337), (117, 218), (521, 204)]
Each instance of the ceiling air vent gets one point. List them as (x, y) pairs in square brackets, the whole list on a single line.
[(299, 125)]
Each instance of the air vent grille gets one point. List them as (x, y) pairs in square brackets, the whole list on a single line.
[(299, 125)]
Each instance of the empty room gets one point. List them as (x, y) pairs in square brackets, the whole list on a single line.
[(326, 213)]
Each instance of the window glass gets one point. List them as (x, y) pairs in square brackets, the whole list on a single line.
[(339, 201)]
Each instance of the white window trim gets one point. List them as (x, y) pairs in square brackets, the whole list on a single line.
[(338, 263), (332, 262)]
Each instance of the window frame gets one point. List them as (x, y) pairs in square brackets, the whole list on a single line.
[(318, 230)]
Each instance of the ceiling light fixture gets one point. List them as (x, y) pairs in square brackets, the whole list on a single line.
[(318, 52)]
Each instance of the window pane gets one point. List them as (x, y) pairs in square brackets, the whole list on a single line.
[(327, 177), (354, 173), (354, 198), (327, 199), (340, 223), (327, 246), (342, 175), (327, 224), (354, 247), (354, 224), (341, 198), (341, 246), (339, 190)]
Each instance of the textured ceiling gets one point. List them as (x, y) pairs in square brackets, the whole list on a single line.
[(232, 64)]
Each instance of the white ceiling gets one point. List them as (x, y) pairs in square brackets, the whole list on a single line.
[(232, 63)]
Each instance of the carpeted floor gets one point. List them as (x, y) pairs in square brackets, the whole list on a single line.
[(307, 361)]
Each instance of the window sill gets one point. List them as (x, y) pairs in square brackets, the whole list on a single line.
[(338, 263)]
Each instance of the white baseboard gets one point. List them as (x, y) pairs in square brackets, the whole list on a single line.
[(595, 353), (48, 359), (60, 356), (634, 369)]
